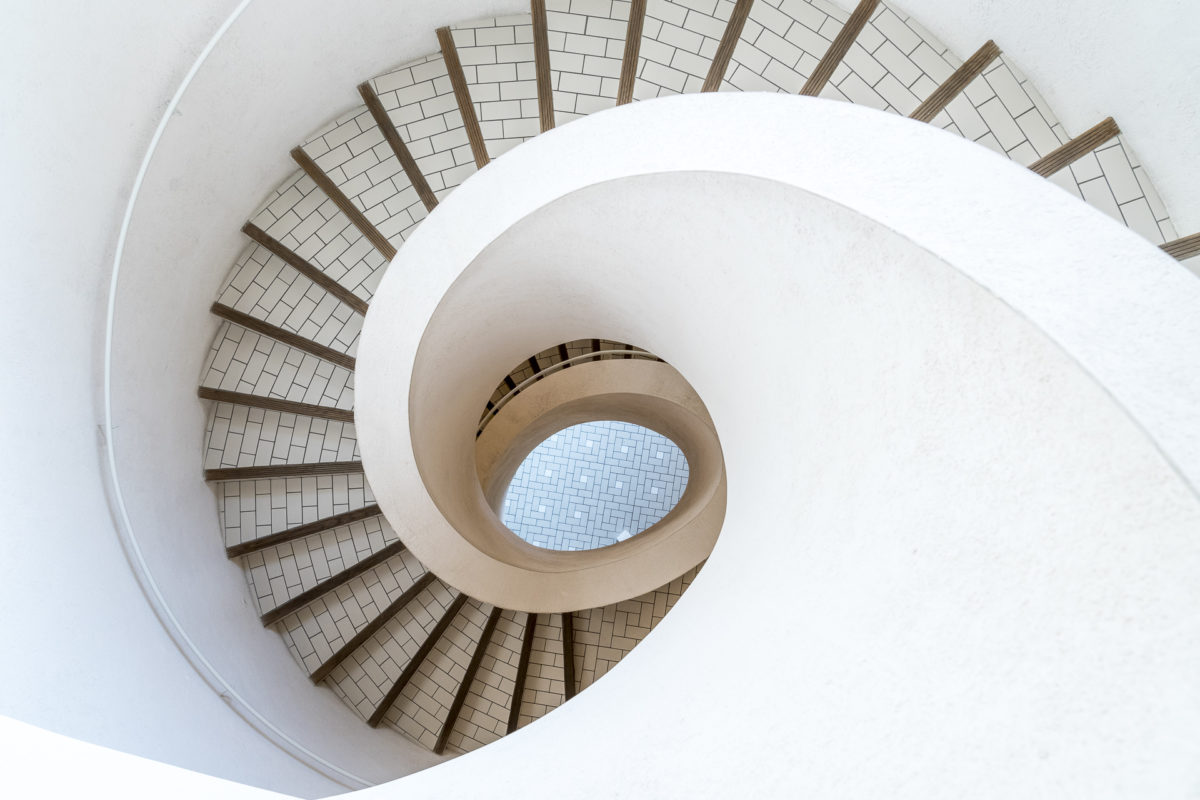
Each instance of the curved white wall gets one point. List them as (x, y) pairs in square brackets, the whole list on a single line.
[(959, 557)]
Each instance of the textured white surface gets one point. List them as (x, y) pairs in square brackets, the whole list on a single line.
[(978, 519)]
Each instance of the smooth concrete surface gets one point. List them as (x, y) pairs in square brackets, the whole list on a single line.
[(461, 538), (959, 412)]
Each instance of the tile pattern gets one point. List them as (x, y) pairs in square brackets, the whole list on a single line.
[(279, 573), (593, 485), (679, 40), (603, 636), (420, 102), (239, 436), (304, 220), (587, 41), (497, 61), (422, 707), (244, 361), (252, 509), (263, 286), (544, 689), (370, 671), (484, 716)]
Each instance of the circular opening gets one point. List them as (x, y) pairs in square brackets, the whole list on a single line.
[(593, 485)]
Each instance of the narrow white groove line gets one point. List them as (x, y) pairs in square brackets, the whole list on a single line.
[(129, 542)]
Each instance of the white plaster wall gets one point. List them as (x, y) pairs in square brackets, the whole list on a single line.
[(84, 85), (1134, 60), (965, 494)]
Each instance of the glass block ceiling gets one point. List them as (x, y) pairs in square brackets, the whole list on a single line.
[(593, 485)]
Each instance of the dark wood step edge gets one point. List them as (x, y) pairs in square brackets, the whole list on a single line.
[(371, 628), (407, 162), (971, 69), (568, 646), (464, 688), (300, 531), (729, 40), (541, 64), (283, 471), (276, 404), (308, 270), (1185, 247), (633, 46), (415, 662), (344, 204), (332, 582), (514, 711), (462, 95), (1077, 148), (841, 45), (280, 335)]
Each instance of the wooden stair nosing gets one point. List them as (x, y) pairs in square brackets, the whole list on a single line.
[(283, 471), (276, 404), (514, 711), (953, 86), (308, 270), (300, 531), (462, 95), (568, 646), (280, 335), (396, 142), (415, 662), (633, 46), (1077, 148), (332, 582), (729, 40), (838, 49), (344, 203), (541, 63), (1184, 247), (371, 628), (464, 688)]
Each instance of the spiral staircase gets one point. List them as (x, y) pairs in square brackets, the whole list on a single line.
[(360, 613)]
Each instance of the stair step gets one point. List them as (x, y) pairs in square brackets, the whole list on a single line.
[(568, 646), (415, 662), (313, 273), (1185, 247), (971, 69), (841, 45), (633, 44), (332, 582), (462, 95), (301, 531), (1077, 148), (464, 687), (282, 471), (729, 41), (276, 404), (541, 59), (371, 628), (396, 142), (514, 711), (279, 334), (344, 203)]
